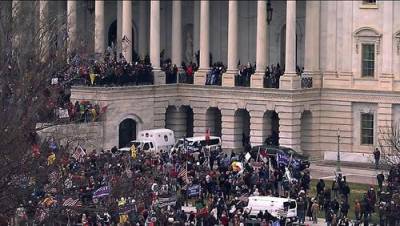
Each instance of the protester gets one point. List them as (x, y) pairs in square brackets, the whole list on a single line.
[(377, 157)]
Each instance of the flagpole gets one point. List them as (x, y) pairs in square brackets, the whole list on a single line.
[(186, 174), (258, 154)]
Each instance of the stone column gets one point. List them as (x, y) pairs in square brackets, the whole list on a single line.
[(228, 128), (199, 121), (386, 78), (200, 75), (159, 76), (72, 25), (196, 28), (159, 116), (44, 27), (176, 121), (330, 65), (385, 121), (176, 33), (262, 58), (126, 42), (60, 21), (143, 31), (256, 127), (311, 55), (99, 34), (228, 79), (119, 27), (289, 128), (290, 80)]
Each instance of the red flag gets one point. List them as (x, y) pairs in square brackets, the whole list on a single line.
[(207, 135), (103, 109), (35, 150)]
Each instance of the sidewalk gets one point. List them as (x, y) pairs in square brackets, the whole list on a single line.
[(363, 173)]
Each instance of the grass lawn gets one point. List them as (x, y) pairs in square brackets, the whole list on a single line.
[(356, 192)]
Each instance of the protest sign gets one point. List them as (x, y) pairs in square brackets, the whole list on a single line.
[(169, 201), (193, 190)]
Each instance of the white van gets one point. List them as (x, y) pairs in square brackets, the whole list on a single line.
[(154, 140), (195, 144), (277, 207)]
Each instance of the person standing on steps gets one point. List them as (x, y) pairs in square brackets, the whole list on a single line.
[(377, 157)]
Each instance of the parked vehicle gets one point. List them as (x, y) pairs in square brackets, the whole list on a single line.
[(276, 206), (195, 144), (154, 140), (272, 150)]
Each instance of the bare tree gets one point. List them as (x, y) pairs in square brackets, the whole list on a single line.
[(25, 70), (389, 144)]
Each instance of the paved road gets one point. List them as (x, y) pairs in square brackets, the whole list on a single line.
[(364, 175)]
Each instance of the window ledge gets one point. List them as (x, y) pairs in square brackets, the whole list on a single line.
[(366, 79), (367, 145), (369, 6)]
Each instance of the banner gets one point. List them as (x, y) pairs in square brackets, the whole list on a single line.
[(63, 113), (54, 81), (282, 159), (170, 201), (102, 192), (193, 190)]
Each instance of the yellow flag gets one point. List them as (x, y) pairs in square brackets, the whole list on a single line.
[(92, 77), (133, 151)]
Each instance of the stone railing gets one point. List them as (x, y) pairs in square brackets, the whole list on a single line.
[(271, 82), (183, 77), (306, 81), (242, 81)]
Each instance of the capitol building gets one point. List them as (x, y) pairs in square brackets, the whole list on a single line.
[(346, 95)]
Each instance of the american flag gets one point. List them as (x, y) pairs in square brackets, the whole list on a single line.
[(42, 214), (53, 176), (78, 153), (70, 202), (183, 173)]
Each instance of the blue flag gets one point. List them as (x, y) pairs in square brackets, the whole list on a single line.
[(276, 223), (282, 159), (193, 190), (102, 192)]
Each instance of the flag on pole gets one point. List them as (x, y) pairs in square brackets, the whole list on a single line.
[(282, 159), (208, 136), (70, 202), (102, 192), (264, 155), (133, 152), (78, 154)]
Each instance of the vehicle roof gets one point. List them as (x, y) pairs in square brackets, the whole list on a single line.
[(124, 149), (199, 138), (161, 130), (270, 198)]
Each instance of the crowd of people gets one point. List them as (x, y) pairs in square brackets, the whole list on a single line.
[(214, 76), (272, 76), (209, 187), (112, 186), (387, 198), (244, 75), (184, 74)]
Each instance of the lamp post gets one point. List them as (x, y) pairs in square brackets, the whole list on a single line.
[(338, 152)]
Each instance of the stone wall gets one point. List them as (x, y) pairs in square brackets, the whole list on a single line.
[(308, 119), (88, 135)]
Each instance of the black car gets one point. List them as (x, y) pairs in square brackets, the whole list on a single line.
[(271, 150)]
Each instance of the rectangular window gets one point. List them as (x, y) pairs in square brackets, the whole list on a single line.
[(367, 128), (368, 60)]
